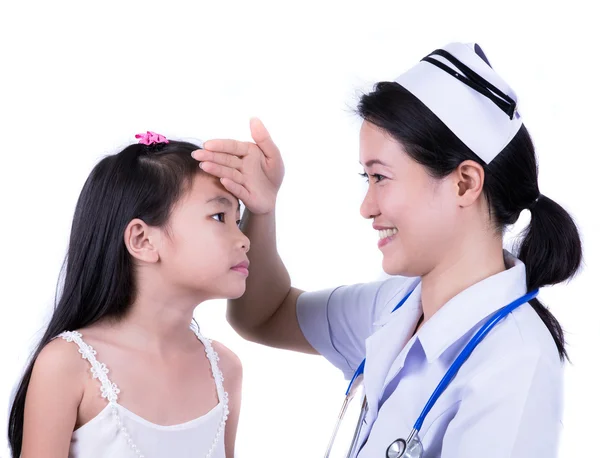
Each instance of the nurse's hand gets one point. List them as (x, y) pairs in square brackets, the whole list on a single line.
[(251, 172)]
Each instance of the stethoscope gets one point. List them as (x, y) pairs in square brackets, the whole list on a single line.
[(411, 447)]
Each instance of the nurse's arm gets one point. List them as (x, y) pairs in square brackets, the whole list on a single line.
[(266, 313), (253, 172)]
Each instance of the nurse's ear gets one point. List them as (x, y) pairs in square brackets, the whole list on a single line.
[(469, 177)]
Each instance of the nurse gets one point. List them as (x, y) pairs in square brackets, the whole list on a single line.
[(450, 165)]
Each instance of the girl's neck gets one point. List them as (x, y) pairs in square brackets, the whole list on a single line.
[(468, 263), (158, 325)]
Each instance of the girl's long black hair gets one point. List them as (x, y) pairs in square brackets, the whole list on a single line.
[(139, 182)]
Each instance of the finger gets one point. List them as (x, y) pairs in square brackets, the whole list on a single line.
[(261, 136), (221, 171), (236, 189), (228, 160), (234, 147)]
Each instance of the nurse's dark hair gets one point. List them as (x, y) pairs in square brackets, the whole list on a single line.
[(98, 275), (550, 246)]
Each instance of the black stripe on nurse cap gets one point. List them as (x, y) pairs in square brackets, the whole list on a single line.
[(481, 54), (458, 84), (472, 79)]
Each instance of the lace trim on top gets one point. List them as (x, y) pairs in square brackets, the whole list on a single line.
[(213, 357), (110, 391), (99, 371)]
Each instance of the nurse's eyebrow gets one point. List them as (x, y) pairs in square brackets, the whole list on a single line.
[(373, 162), (222, 200)]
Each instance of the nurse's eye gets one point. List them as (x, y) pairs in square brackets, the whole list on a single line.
[(220, 217), (376, 176)]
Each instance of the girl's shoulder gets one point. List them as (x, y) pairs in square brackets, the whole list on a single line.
[(229, 363), (54, 393), (59, 365), (67, 356), (61, 355)]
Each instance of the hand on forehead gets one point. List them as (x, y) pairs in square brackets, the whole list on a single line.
[(209, 189)]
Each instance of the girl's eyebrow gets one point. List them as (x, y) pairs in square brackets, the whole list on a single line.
[(222, 200)]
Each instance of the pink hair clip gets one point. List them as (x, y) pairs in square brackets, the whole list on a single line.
[(149, 138)]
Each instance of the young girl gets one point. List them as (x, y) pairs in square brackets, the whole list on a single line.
[(458, 357), (152, 237)]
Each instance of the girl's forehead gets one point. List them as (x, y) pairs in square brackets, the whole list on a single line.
[(205, 184), (208, 189)]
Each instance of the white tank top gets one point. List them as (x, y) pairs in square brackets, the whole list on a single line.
[(116, 432)]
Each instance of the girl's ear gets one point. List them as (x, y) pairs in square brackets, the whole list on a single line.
[(141, 241)]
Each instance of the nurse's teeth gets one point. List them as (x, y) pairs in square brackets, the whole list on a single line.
[(387, 233)]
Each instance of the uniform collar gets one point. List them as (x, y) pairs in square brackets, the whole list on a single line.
[(383, 347), (465, 310)]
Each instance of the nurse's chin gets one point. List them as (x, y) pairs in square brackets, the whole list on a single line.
[(397, 267)]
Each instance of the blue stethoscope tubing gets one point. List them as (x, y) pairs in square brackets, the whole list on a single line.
[(498, 316)]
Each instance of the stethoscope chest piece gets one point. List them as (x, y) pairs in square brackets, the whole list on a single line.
[(396, 449), (400, 448)]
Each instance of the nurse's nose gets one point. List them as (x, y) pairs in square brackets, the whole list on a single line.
[(369, 208)]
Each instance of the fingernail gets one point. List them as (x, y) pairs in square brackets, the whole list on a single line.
[(200, 164)]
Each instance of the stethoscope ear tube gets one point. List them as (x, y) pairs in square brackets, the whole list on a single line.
[(363, 414), (363, 411), (337, 425)]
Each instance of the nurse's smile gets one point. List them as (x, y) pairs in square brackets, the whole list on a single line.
[(386, 235)]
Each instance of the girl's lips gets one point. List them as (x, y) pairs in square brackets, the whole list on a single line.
[(241, 269)]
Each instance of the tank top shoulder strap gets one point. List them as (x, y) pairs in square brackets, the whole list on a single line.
[(99, 370), (213, 358)]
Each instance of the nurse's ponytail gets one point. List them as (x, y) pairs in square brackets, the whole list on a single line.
[(551, 252), (550, 248)]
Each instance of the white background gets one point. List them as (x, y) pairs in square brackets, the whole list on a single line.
[(79, 79)]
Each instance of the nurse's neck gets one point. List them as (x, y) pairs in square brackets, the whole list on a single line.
[(468, 263)]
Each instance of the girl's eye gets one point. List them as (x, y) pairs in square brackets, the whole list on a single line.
[(238, 222), (377, 177), (220, 217)]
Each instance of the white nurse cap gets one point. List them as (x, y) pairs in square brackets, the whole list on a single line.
[(458, 84)]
